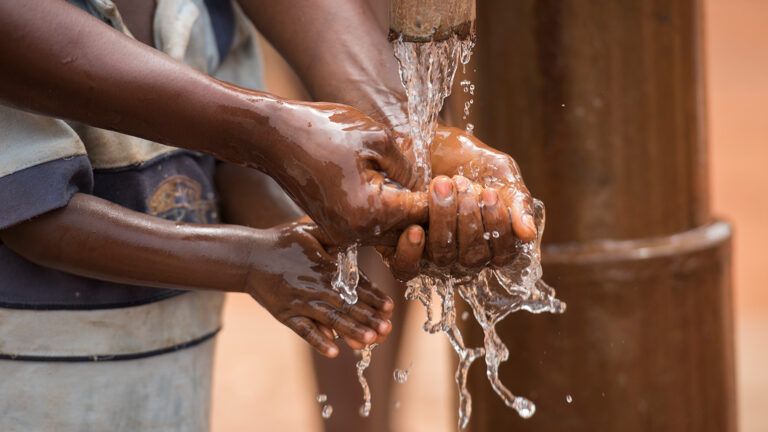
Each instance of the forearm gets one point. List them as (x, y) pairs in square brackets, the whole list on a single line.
[(339, 51), (59, 61), (94, 238)]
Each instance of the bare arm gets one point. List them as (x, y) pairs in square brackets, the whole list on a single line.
[(94, 238), (338, 49), (60, 61), (285, 269)]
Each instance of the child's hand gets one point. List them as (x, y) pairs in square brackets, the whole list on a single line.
[(291, 278), (455, 152), (469, 225)]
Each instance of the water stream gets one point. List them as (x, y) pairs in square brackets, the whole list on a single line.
[(427, 71)]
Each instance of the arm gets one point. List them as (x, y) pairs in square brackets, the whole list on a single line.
[(338, 50), (59, 61), (285, 269), (342, 55)]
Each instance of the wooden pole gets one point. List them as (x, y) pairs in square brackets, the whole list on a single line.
[(428, 20), (602, 104)]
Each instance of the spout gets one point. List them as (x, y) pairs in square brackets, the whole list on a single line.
[(431, 20)]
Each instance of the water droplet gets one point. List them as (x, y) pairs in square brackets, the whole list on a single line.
[(487, 236), (495, 234), (569, 398), (322, 398), (464, 316), (327, 411), (365, 410), (400, 375), (377, 230), (470, 128), (524, 407)]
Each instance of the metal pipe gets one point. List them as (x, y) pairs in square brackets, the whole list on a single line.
[(431, 20)]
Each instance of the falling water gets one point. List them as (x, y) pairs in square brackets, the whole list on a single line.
[(347, 274), (427, 71), (362, 365), (327, 409)]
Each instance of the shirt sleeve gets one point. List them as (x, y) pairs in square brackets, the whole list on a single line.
[(43, 163)]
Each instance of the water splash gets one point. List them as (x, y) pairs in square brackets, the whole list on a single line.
[(327, 411), (427, 70), (362, 365), (347, 274), (492, 294), (400, 375)]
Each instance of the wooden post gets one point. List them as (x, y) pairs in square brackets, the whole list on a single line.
[(427, 20), (602, 104)]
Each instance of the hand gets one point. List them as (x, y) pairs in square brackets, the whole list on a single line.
[(455, 152), (291, 277), (469, 225), (337, 163)]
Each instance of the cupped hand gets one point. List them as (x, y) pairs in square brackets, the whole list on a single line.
[(344, 170), (476, 216), (291, 276), (455, 152)]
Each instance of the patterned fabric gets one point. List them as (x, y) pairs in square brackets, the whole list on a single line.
[(46, 161)]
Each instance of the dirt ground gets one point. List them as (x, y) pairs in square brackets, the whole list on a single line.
[(263, 376)]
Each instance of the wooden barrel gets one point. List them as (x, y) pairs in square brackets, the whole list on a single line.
[(602, 104)]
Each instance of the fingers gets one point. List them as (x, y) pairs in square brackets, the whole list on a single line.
[(443, 206), (308, 331), (368, 314), (350, 342), (474, 250), (329, 316), (374, 297), (496, 219), (395, 164), (406, 262), (402, 207), (519, 201)]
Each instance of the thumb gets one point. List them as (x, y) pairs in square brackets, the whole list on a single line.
[(394, 160), (402, 207), (521, 213)]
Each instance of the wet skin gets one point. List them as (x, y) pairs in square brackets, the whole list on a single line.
[(64, 63), (461, 211), (284, 268), (364, 73)]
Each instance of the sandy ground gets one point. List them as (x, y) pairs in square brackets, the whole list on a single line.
[(262, 371)]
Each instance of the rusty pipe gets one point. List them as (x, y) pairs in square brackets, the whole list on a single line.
[(431, 20)]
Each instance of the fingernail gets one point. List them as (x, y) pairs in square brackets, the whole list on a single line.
[(461, 183), (384, 327), (414, 236), (369, 336), (490, 197), (528, 222), (332, 351), (443, 188)]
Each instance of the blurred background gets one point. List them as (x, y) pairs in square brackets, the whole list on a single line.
[(263, 372)]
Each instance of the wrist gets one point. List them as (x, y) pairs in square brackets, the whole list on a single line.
[(242, 126)]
